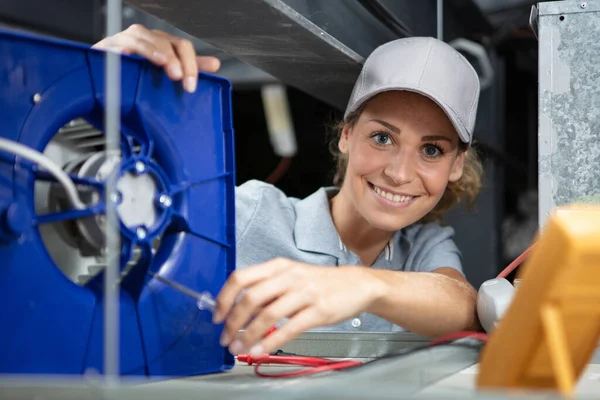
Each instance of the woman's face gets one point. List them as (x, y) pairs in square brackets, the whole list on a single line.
[(401, 155)]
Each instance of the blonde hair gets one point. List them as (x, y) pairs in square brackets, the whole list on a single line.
[(465, 189)]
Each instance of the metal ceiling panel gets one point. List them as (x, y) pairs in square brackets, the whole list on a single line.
[(271, 36)]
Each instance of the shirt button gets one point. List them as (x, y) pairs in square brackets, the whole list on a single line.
[(355, 323)]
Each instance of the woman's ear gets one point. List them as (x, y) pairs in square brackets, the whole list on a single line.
[(458, 167), (343, 143)]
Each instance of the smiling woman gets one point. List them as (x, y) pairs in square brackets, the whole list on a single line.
[(422, 115), (366, 254)]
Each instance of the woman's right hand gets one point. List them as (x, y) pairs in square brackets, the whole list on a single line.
[(175, 55)]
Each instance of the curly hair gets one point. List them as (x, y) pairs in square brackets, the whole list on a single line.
[(465, 189)]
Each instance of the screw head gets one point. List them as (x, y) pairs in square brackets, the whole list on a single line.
[(141, 233), (165, 200), (37, 97), (115, 197), (140, 166)]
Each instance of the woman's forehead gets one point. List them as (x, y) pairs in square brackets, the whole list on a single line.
[(397, 107)]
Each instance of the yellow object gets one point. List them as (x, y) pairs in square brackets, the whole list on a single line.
[(552, 327)]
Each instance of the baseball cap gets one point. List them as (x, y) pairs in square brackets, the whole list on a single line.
[(427, 66)]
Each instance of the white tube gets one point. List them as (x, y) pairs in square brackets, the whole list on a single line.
[(41, 160)]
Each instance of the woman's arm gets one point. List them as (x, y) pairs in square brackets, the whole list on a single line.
[(427, 303), (258, 297)]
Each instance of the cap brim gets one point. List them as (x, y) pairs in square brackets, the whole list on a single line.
[(459, 126)]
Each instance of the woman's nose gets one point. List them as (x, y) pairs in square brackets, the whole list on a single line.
[(400, 169)]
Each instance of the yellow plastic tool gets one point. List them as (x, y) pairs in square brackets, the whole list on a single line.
[(552, 327)]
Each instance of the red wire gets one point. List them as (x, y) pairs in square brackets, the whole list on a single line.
[(280, 170), (318, 364), (511, 267), (331, 366)]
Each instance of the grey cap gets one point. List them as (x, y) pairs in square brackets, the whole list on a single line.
[(427, 66)]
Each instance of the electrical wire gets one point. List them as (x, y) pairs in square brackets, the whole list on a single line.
[(41, 160), (318, 365), (518, 261), (280, 170)]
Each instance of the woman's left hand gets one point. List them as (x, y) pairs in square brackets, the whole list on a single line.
[(309, 296)]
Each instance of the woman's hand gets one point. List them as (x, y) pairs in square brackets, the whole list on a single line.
[(176, 55), (309, 296)]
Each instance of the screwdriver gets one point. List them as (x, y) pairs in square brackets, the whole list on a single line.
[(204, 300)]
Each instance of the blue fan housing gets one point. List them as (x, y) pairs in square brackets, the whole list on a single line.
[(49, 324)]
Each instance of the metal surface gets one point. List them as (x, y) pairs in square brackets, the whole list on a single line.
[(569, 104), (438, 373), (352, 344), (446, 373), (72, 19), (316, 46), (404, 376), (112, 125), (269, 35)]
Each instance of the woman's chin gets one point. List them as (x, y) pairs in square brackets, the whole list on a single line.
[(390, 223)]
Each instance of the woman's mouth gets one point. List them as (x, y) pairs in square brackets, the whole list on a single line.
[(389, 197)]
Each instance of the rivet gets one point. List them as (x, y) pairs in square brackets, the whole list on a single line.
[(165, 200), (140, 167), (583, 5), (115, 197), (141, 233), (37, 97)]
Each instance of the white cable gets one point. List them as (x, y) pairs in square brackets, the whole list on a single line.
[(41, 160)]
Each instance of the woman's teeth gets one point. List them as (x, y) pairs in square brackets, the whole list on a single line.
[(396, 198)]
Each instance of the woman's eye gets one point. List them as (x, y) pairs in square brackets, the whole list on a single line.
[(432, 151), (382, 138)]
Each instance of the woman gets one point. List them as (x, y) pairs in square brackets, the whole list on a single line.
[(404, 158)]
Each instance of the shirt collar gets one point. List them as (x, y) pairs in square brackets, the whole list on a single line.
[(314, 230)]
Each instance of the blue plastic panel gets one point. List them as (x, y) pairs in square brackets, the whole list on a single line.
[(48, 323)]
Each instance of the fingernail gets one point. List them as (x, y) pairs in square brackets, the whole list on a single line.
[(257, 350), (216, 317), (224, 339), (215, 64), (160, 57), (190, 84), (236, 347), (176, 71)]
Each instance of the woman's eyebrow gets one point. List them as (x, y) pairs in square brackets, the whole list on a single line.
[(387, 125)]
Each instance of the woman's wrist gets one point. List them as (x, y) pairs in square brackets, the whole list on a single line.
[(371, 284)]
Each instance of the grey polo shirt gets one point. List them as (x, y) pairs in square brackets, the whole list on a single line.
[(269, 224)]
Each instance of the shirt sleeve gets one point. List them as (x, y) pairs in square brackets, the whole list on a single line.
[(247, 199), (436, 249)]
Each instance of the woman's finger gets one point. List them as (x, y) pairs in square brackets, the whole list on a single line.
[(208, 64), (128, 44), (171, 63), (286, 306), (187, 56), (251, 304), (298, 324), (242, 279)]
